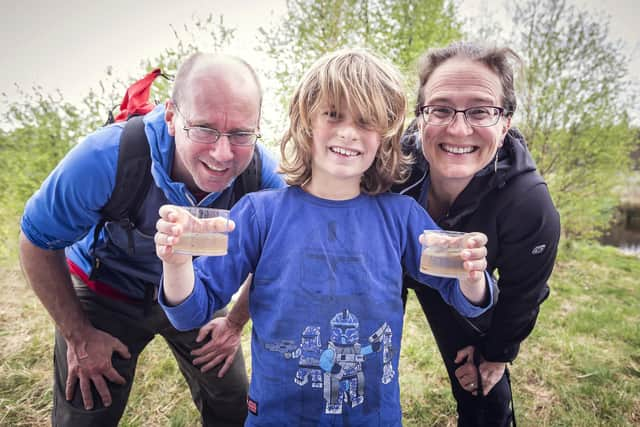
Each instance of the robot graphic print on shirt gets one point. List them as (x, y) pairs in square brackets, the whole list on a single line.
[(308, 353), (338, 368)]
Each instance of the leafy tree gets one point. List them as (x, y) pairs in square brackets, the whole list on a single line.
[(45, 127), (399, 29), (575, 96)]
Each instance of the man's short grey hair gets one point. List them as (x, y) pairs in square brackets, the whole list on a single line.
[(185, 70)]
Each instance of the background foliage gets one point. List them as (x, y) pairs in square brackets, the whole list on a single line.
[(399, 29), (45, 127), (575, 96)]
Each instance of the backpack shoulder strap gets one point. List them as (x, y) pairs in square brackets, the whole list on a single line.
[(133, 175), (249, 180), (133, 178)]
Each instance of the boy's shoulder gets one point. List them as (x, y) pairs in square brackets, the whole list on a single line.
[(395, 199), (268, 194), (267, 197), (294, 195), (403, 208)]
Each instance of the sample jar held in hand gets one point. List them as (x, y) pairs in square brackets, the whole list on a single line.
[(441, 253), (202, 235)]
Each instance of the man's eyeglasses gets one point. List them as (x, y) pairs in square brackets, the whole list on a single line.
[(206, 135), (482, 116)]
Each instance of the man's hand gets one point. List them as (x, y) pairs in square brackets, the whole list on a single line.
[(223, 346), (90, 361), (490, 372)]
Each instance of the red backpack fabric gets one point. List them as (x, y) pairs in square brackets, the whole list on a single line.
[(136, 98)]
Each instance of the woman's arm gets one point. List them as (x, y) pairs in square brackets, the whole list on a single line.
[(526, 257)]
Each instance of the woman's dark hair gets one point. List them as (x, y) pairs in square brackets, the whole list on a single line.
[(499, 59)]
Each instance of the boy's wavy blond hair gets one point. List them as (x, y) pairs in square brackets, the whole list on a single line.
[(371, 90)]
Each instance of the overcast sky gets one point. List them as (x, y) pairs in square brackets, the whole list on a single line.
[(69, 44)]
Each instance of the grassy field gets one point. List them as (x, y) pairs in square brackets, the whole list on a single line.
[(581, 366)]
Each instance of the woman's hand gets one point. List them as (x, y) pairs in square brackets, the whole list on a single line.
[(467, 373)]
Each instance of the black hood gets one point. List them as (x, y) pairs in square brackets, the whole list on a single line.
[(514, 159)]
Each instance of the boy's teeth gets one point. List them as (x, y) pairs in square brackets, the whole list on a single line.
[(343, 151)]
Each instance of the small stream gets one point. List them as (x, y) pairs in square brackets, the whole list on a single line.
[(630, 249), (625, 234)]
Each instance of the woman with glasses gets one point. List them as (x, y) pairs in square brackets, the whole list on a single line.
[(473, 172)]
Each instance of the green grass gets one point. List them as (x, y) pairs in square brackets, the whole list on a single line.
[(580, 367)]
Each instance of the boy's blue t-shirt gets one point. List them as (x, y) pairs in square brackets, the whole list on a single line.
[(325, 302)]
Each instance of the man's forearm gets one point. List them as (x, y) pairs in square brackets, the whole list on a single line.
[(47, 273), (239, 313)]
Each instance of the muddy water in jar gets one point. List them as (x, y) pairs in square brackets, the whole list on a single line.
[(442, 262), (208, 244)]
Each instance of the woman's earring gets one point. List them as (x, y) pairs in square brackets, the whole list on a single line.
[(495, 164)]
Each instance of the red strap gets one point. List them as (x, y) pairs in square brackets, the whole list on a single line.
[(99, 287), (136, 99)]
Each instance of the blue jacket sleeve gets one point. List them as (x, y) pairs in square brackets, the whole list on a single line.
[(448, 288), (68, 202), (218, 278)]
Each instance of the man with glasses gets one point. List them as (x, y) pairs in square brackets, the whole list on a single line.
[(97, 290)]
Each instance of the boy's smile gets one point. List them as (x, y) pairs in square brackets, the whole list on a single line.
[(344, 151)]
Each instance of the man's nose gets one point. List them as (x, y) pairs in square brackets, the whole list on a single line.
[(221, 149)]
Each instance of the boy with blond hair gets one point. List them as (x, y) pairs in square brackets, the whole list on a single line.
[(327, 255)]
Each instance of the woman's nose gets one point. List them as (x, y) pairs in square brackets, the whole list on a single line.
[(459, 125)]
